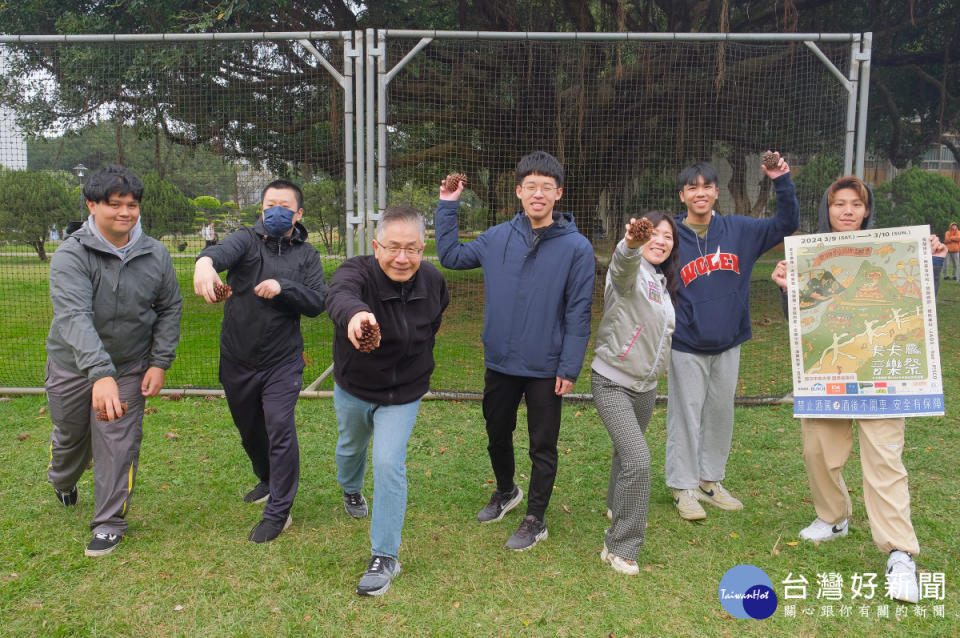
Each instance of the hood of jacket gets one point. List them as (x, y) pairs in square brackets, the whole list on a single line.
[(823, 223)]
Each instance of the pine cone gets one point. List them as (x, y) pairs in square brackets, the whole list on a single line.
[(771, 159), (369, 336), (453, 181), (222, 291), (102, 414), (641, 229)]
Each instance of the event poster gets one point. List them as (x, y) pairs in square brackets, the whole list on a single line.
[(863, 324)]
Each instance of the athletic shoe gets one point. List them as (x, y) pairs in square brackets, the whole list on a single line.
[(715, 494), (902, 577), (259, 494), (355, 505), (380, 573), (500, 503), (619, 564), (687, 505), (67, 498), (268, 529), (102, 544), (820, 531), (531, 531)]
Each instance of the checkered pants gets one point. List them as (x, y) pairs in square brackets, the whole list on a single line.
[(626, 415)]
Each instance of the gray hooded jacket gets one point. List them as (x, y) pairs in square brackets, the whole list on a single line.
[(110, 313)]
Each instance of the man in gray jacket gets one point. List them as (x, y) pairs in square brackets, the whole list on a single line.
[(116, 324)]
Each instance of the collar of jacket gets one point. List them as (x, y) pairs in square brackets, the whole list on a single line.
[(388, 289), (88, 241), (298, 236), (562, 224)]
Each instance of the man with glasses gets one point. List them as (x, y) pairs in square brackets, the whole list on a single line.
[(275, 277), (538, 272), (377, 391)]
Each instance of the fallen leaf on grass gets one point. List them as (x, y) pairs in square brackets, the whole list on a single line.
[(428, 473), (23, 437), (306, 617), (792, 543), (577, 413), (567, 451), (566, 509), (164, 576), (442, 450), (456, 605), (150, 411), (163, 487), (734, 535), (196, 403), (43, 410), (178, 608), (173, 435)]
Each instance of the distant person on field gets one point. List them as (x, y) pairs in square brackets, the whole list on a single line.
[(209, 235), (377, 393), (848, 205), (952, 240), (632, 351), (716, 255), (116, 324), (275, 276), (538, 272)]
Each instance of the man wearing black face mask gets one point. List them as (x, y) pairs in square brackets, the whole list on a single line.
[(274, 276)]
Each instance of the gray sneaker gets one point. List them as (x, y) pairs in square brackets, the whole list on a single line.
[(531, 531), (500, 503), (380, 573), (355, 505)]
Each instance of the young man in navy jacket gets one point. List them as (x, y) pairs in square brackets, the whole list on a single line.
[(538, 273), (716, 255)]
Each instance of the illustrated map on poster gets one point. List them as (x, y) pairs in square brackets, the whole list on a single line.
[(863, 324)]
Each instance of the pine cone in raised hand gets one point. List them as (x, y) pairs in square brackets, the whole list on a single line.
[(369, 336), (222, 291), (771, 159), (102, 414), (453, 181), (641, 229)]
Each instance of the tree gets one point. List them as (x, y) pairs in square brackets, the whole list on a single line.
[(917, 197), (31, 204), (164, 209)]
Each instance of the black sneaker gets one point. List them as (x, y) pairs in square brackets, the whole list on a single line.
[(268, 529), (259, 494), (531, 531), (380, 573), (102, 544), (500, 503), (355, 505), (67, 498)]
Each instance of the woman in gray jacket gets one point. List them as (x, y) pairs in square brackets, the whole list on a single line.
[(632, 351)]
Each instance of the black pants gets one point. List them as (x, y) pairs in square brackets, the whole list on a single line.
[(262, 404), (501, 398)]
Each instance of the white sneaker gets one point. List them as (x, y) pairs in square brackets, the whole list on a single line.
[(715, 494), (820, 531), (687, 505), (619, 563), (902, 577)]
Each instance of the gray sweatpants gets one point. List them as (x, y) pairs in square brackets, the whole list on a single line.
[(700, 416), (626, 415), (78, 436)]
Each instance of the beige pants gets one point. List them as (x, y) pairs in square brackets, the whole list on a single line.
[(826, 446)]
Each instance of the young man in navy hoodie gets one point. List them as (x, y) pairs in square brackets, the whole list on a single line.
[(538, 273), (716, 255)]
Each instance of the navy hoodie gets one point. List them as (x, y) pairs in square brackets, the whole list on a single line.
[(713, 302), (538, 291)]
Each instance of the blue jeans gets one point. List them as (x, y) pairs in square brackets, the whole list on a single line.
[(390, 426)]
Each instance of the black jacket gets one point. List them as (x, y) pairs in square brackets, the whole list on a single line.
[(408, 314), (258, 332)]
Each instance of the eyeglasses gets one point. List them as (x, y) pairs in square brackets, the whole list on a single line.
[(393, 251), (546, 189)]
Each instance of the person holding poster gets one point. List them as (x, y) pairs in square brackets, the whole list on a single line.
[(848, 205)]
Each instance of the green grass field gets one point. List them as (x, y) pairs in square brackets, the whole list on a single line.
[(186, 569)]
